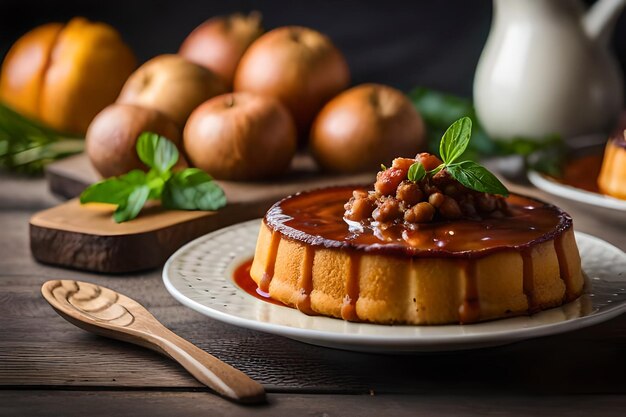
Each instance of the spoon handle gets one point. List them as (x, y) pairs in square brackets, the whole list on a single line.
[(215, 374)]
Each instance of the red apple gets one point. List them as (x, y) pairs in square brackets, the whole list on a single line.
[(219, 43), (299, 66), (365, 126), (112, 137), (171, 85), (240, 136)]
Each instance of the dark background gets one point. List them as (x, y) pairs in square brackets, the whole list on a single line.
[(402, 43)]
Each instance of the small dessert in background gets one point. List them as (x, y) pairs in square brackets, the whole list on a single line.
[(241, 136), (112, 137), (219, 43), (171, 85), (372, 122), (63, 75), (299, 66), (612, 179)]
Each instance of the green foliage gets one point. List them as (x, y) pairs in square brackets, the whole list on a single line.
[(440, 110), (189, 189)]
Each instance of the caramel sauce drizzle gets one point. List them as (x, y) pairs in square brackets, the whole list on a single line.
[(564, 268), (469, 311), (270, 263), (305, 283), (528, 284), (348, 308), (316, 218), (243, 279)]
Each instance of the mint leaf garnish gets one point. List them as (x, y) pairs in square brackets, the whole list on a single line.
[(477, 177), (130, 208), (193, 189), (455, 140), (469, 173), (416, 172), (189, 189), (156, 151), (113, 190)]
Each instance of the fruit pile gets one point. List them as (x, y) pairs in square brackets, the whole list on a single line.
[(236, 101)]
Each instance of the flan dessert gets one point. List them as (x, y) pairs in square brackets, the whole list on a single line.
[(612, 178), (434, 242)]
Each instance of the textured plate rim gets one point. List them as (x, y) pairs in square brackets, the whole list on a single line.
[(553, 187), (350, 339)]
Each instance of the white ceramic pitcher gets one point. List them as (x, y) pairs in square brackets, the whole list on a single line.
[(546, 69)]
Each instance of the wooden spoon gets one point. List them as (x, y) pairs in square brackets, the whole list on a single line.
[(108, 313)]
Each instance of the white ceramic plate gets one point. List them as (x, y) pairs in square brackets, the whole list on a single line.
[(199, 275), (550, 185)]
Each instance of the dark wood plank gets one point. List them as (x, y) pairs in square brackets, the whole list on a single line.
[(56, 353), (85, 237), (191, 404)]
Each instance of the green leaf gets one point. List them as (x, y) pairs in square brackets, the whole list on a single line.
[(477, 177), (192, 189), (416, 172), (133, 204), (383, 167), (156, 182), (527, 146), (439, 110), (156, 151), (455, 140), (113, 190)]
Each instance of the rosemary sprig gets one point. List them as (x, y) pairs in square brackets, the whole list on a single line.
[(27, 146)]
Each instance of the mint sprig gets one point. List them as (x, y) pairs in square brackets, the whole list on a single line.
[(455, 140), (189, 189), (469, 173)]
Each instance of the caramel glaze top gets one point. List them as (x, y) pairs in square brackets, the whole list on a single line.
[(316, 218)]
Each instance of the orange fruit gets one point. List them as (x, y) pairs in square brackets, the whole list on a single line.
[(24, 68), (63, 75)]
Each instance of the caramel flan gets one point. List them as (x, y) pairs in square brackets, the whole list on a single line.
[(612, 178), (434, 242)]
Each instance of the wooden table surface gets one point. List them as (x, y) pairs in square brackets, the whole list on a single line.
[(51, 368)]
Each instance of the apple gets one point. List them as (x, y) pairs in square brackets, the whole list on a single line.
[(365, 126), (299, 66), (240, 136), (171, 85), (219, 43), (112, 136)]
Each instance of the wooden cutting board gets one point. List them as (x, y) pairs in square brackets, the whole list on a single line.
[(86, 237)]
